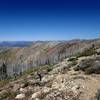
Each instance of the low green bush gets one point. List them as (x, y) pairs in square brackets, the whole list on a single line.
[(73, 59), (4, 82), (25, 82), (8, 94)]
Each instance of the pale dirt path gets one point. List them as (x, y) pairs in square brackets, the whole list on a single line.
[(89, 86)]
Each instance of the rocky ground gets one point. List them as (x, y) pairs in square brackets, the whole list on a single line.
[(59, 82)]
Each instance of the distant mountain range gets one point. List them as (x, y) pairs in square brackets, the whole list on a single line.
[(15, 43), (28, 43)]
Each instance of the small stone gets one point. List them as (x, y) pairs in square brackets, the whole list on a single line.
[(35, 95), (20, 96), (30, 88), (46, 90), (37, 99), (29, 76), (22, 85), (75, 88), (16, 87), (22, 90), (58, 98)]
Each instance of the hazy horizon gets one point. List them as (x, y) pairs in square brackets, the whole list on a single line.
[(48, 40)]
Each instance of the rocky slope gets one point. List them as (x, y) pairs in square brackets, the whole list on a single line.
[(19, 59), (60, 81), (51, 71)]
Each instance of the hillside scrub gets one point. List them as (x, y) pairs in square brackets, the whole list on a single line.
[(72, 59), (6, 94), (87, 52), (32, 71), (89, 66)]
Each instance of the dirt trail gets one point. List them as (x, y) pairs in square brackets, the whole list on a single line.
[(90, 88), (89, 85)]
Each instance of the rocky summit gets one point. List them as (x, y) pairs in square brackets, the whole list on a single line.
[(51, 70)]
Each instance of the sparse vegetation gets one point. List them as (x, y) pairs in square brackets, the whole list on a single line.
[(73, 63), (25, 82), (72, 59), (89, 66), (89, 70), (4, 82), (87, 52), (95, 70), (7, 94), (76, 68), (98, 53), (31, 71)]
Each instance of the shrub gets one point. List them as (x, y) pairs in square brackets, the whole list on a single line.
[(7, 94), (86, 63), (4, 82), (89, 71), (31, 71), (76, 68), (74, 63), (28, 71), (25, 82), (87, 52), (3, 96), (72, 59), (98, 53), (89, 66)]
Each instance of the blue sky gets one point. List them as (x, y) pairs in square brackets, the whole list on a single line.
[(49, 19)]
